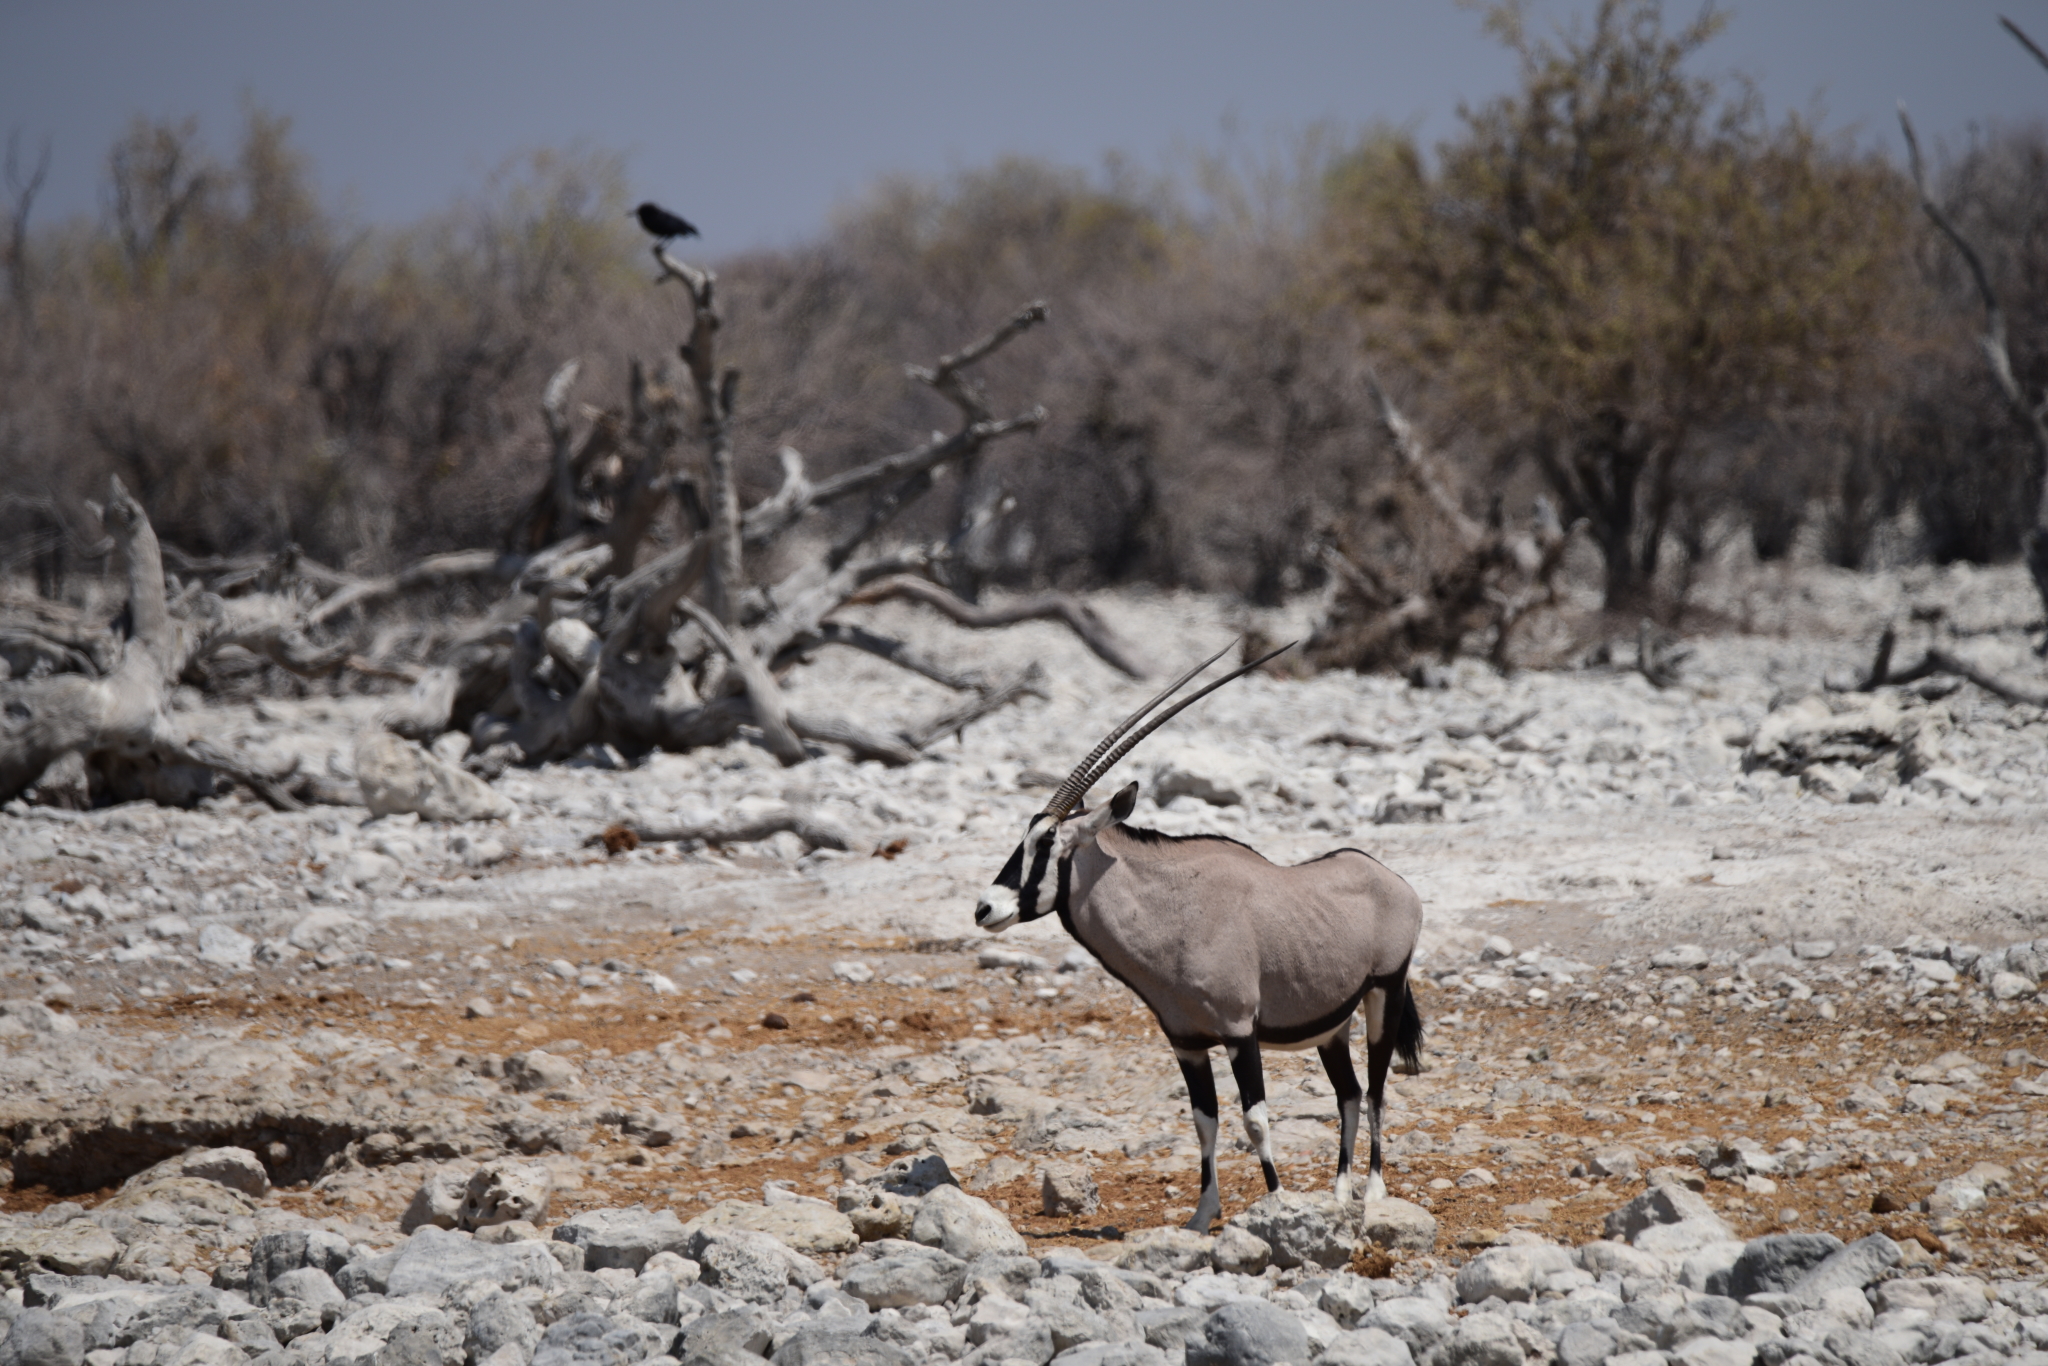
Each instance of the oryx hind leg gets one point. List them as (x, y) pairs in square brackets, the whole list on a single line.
[(1249, 1069), (1336, 1056), (1194, 1069), (1387, 1010)]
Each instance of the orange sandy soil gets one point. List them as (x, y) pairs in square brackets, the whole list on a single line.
[(1621, 1106)]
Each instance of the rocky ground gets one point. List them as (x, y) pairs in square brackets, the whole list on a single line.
[(1730, 989)]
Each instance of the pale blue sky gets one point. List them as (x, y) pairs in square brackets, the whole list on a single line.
[(755, 118)]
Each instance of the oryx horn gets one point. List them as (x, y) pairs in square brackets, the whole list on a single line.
[(1070, 791), (1089, 771)]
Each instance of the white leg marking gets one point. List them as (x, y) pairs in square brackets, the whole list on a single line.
[(1255, 1126), (1375, 1188), (1344, 1188), (1375, 1014), (1259, 1131), (1205, 1130)]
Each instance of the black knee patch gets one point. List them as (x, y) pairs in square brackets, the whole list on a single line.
[(1201, 1085), (1247, 1067)]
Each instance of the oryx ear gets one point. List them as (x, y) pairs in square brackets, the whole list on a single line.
[(1124, 803), (1090, 824)]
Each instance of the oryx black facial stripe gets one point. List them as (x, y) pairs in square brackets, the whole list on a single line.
[(1027, 894), (1013, 871)]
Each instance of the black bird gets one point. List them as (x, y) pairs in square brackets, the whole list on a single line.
[(659, 222)]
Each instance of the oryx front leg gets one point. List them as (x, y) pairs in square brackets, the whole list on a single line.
[(1245, 1065), (1194, 1069)]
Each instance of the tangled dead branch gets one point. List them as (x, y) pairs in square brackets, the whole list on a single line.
[(588, 642), (112, 732), (1478, 579)]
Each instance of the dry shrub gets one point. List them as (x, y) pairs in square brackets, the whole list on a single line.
[(1718, 327)]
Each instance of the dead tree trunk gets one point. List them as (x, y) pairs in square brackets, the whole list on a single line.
[(667, 671), (2032, 417), (716, 391)]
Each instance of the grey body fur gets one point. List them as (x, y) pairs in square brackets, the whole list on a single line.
[(1224, 944)]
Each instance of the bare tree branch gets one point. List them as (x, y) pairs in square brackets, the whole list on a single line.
[(59, 656), (2024, 41), (780, 511), (1077, 616), (1420, 467), (769, 711), (807, 595), (123, 719), (897, 652), (2032, 417), (436, 571), (771, 518), (946, 376), (653, 591), (1030, 683), (554, 408), (865, 744), (2010, 691)]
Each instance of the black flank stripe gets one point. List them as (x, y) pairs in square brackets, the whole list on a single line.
[(1322, 1025)]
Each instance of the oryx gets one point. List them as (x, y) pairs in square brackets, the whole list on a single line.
[(1226, 947)]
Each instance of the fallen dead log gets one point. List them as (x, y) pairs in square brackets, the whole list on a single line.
[(815, 832), (25, 651), (769, 712), (1659, 655), (2003, 688), (862, 743), (435, 571)]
